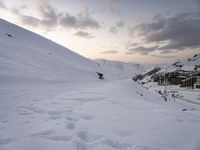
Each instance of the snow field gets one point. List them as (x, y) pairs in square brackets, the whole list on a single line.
[(94, 116)]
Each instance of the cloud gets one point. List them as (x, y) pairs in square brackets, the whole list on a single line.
[(113, 30), (88, 22), (68, 20), (178, 32), (28, 20), (83, 34), (110, 52), (146, 28), (130, 44), (113, 6), (2, 6), (48, 13), (198, 2), (163, 57), (165, 52), (84, 9), (142, 50), (129, 53), (18, 9), (81, 21), (78, 22), (50, 18), (120, 24)]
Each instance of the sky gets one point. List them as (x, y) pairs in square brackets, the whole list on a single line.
[(142, 31)]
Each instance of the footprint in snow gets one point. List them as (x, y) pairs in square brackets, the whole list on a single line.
[(87, 117), (83, 135), (124, 133), (50, 135), (55, 115), (88, 137), (4, 121), (71, 118), (117, 144), (81, 145), (33, 109), (36, 100), (23, 113), (142, 147), (4, 141), (70, 125), (60, 138), (43, 133)]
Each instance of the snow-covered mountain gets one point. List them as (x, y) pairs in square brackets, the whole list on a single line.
[(190, 64), (26, 56), (51, 98), (122, 69), (185, 67)]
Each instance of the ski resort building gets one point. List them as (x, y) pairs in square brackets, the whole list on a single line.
[(197, 84), (192, 82)]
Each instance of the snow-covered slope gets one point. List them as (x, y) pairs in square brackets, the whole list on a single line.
[(28, 57), (121, 69), (190, 64), (25, 56), (111, 115), (51, 99)]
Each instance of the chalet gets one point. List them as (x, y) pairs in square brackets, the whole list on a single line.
[(189, 82), (174, 78), (197, 84)]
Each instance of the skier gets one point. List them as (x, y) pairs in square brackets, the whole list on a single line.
[(100, 75)]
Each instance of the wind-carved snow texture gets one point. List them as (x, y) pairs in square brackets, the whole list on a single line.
[(50, 102)]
